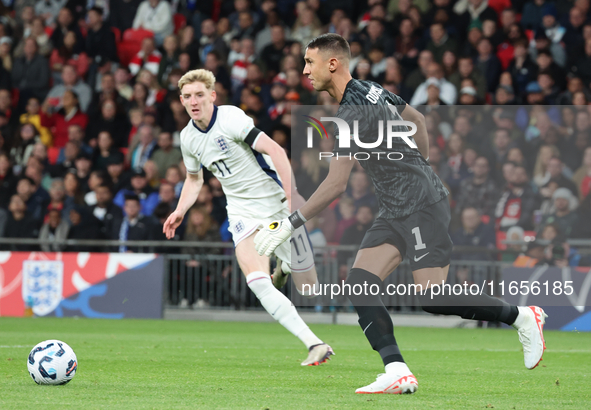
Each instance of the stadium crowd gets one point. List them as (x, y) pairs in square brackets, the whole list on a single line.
[(90, 115)]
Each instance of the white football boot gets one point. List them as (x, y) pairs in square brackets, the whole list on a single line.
[(530, 327), (318, 354), (399, 381)]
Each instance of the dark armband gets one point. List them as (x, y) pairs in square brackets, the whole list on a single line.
[(252, 136), (297, 219)]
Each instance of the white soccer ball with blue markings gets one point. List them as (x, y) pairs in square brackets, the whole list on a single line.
[(52, 362)]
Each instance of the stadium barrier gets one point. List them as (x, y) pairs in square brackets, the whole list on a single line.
[(214, 281)]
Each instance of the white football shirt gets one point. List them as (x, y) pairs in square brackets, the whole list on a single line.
[(252, 187)]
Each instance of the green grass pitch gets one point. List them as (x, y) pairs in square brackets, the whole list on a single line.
[(150, 364)]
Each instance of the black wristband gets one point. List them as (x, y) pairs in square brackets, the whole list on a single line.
[(296, 219)]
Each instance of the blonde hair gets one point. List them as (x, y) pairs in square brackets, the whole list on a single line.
[(202, 76), (540, 167)]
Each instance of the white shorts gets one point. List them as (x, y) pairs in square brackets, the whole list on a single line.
[(297, 253)]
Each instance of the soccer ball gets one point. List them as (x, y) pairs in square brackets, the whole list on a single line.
[(52, 362)]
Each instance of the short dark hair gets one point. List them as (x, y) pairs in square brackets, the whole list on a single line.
[(331, 42), (132, 197)]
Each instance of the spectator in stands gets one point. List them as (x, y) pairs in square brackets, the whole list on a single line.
[(476, 11), (582, 177), (421, 73), (311, 172), (201, 227), (532, 14), (20, 224), (66, 23), (22, 148), (3, 220), (122, 83), (54, 230), (555, 170), (152, 173), (110, 120), (83, 166), (440, 42), (359, 190), (478, 191), (139, 186), (564, 217), (100, 46), (547, 62), (148, 57), (355, 233), (473, 233), (105, 150), (169, 59), (517, 203), (448, 92), (49, 10), (70, 153), (218, 199), (108, 91), (82, 226), (166, 195), (239, 69), (488, 64), (581, 228), (57, 195), (61, 120), (30, 74), (455, 160), (144, 148), (346, 210), (74, 194), (273, 53), (96, 179), (44, 44), (306, 27), (31, 116), (500, 148), (214, 64), (7, 179), (166, 155), (155, 16), (35, 170), (522, 68), (76, 135), (68, 54), (70, 82), (105, 211), (116, 170), (134, 226), (122, 13), (36, 203), (541, 174), (466, 69)]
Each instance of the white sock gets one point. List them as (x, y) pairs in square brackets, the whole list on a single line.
[(280, 307), (398, 368), (521, 317)]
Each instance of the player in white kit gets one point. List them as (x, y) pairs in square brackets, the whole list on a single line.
[(225, 141)]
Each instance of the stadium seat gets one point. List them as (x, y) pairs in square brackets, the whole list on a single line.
[(180, 22), (126, 50), (48, 31), (117, 33), (52, 154), (15, 94), (136, 35)]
